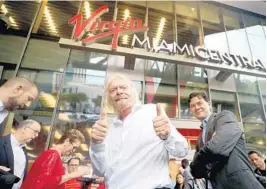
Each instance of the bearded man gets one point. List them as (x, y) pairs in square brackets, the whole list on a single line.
[(16, 93)]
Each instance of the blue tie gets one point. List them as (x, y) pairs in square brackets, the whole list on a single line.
[(204, 130)]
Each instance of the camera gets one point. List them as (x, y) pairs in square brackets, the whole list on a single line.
[(85, 181)]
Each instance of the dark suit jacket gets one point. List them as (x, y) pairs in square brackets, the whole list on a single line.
[(7, 158), (223, 158)]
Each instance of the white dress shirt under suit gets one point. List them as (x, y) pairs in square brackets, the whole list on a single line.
[(133, 156), (19, 161), (3, 112)]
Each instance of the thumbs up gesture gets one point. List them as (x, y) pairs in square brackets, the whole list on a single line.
[(100, 128), (161, 123)]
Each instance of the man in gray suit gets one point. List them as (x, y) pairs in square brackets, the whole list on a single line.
[(13, 155), (220, 155)]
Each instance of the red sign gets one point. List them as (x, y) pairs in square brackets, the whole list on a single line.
[(107, 29)]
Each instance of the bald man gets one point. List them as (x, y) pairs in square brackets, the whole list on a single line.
[(16, 93), (13, 156)]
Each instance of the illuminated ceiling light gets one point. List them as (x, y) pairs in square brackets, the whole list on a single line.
[(160, 29), (46, 128), (193, 9), (63, 117), (79, 155), (125, 38), (126, 14), (89, 130), (50, 20), (29, 148), (3, 8), (47, 100), (87, 9), (57, 135), (84, 147), (260, 142), (12, 21)]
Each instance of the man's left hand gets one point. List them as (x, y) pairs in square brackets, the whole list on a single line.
[(161, 123)]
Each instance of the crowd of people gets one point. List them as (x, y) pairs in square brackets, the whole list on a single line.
[(130, 152)]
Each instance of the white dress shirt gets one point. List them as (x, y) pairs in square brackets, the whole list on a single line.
[(19, 161), (133, 156), (3, 112)]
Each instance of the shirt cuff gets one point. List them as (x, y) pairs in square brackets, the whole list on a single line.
[(97, 147)]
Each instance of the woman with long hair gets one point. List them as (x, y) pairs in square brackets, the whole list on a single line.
[(47, 171), (179, 181)]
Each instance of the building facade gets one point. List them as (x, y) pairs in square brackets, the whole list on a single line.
[(168, 49)]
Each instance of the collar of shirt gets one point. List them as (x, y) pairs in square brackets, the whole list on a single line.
[(134, 109), (205, 122), (14, 141), (204, 125), (2, 107)]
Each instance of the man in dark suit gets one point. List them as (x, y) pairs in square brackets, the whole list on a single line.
[(259, 162), (13, 157), (220, 155)]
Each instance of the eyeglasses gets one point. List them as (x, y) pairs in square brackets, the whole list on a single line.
[(36, 132)]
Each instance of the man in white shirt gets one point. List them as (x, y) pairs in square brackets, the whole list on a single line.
[(13, 157), (16, 93), (133, 151)]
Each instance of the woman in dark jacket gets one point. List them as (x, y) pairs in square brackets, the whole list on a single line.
[(179, 181)]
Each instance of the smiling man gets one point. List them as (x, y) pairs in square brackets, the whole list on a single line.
[(13, 156), (133, 150), (16, 93), (221, 149)]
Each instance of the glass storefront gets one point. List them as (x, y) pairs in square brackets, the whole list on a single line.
[(71, 82)]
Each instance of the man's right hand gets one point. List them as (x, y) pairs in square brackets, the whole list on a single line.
[(100, 129), (4, 168)]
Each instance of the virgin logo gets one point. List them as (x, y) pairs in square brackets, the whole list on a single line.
[(104, 29)]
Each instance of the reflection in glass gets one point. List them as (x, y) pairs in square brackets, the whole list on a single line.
[(46, 72), (191, 79), (54, 18), (189, 32), (256, 37), (15, 24), (249, 99), (214, 33), (186, 9), (41, 108), (126, 11), (222, 100), (255, 137), (263, 22), (235, 32), (39, 53), (160, 22), (262, 86), (80, 102), (161, 85), (88, 7), (246, 84)]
